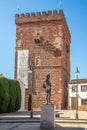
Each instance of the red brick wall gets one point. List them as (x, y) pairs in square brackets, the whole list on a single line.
[(53, 59)]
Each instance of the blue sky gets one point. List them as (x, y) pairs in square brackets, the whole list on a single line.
[(76, 16)]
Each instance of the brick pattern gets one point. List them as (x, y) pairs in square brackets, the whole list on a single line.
[(48, 39)]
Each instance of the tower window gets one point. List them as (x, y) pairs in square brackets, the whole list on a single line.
[(37, 61)]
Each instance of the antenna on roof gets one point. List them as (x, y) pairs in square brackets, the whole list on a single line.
[(18, 9), (60, 4)]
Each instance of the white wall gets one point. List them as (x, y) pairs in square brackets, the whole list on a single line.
[(81, 94)]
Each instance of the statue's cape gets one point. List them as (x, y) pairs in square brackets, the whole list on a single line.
[(44, 84)]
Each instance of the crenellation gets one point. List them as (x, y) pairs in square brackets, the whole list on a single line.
[(38, 13), (22, 15), (49, 12), (16, 15), (60, 11), (44, 13), (55, 12), (27, 14), (33, 14)]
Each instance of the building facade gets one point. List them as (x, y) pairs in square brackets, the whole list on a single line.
[(43, 45), (81, 95)]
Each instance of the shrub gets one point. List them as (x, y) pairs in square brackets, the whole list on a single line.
[(15, 95), (4, 94), (12, 95), (18, 95)]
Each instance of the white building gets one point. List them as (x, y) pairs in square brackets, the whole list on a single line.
[(77, 90)]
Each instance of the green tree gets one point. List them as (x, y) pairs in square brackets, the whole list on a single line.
[(18, 95), (12, 95), (4, 94), (15, 95)]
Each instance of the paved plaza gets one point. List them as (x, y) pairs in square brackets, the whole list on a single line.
[(36, 126), (22, 121)]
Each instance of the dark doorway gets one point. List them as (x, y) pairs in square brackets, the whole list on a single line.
[(73, 103)]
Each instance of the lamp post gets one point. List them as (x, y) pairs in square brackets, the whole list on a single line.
[(77, 73), (31, 70)]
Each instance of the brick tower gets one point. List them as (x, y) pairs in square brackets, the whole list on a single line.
[(42, 44)]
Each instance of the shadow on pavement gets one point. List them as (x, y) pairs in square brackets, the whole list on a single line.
[(58, 127)]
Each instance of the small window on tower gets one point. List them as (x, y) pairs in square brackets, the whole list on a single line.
[(38, 61)]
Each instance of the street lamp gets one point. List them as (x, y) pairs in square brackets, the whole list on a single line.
[(31, 70), (77, 73)]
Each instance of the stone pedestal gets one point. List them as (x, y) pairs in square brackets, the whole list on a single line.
[(47, 116)]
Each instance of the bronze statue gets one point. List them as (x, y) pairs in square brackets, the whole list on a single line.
[(47, 87)]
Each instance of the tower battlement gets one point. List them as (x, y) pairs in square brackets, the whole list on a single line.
[(36, 14), (44, 16)]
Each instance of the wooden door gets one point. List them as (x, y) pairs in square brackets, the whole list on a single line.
[(73, 103)]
